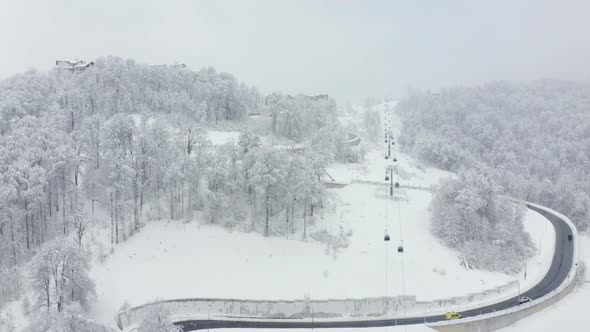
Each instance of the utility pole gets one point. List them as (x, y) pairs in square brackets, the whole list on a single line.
[(391, 184), (312, 315), (389, 146), (390, 170)]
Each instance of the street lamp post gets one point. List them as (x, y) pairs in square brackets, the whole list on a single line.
[(518, 299)]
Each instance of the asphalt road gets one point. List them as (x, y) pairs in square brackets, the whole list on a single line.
[(558, 272)]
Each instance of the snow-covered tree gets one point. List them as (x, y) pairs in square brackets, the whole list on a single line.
[(296, 117), (59, 275), (372, 123), (80, 222), (267, 178)]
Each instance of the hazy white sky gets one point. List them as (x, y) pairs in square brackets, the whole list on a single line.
[(348, 49)]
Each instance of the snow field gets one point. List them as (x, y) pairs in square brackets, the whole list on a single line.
[(171, 260), (222, 137)]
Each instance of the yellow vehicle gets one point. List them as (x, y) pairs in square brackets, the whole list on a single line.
[(452, 315)]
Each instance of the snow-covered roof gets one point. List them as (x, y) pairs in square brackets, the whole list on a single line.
[(74, 65), (175, 66)]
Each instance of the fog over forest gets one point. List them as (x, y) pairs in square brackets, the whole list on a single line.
[(349, 51), (387, 156)]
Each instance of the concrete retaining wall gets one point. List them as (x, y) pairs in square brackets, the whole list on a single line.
[(392, 307), (366, 307)]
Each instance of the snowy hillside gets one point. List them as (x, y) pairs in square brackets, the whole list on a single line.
[(211, 165), (172, 260)]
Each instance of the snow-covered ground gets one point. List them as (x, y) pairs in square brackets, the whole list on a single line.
[(175, 260), (222, 137), (373, 169), (569, 314), (13, 314)]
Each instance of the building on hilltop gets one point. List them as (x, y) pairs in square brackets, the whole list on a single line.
[(73, 65), (175, 66), (318, 97), (272, 97)]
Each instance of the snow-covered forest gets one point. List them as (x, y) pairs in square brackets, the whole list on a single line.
[(527, 140), (130, 139), (486, 228)]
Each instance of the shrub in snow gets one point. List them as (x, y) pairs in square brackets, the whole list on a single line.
[(157, 319), (71, 319), (333, 242)]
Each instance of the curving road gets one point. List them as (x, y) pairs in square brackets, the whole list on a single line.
[(558, 272)]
